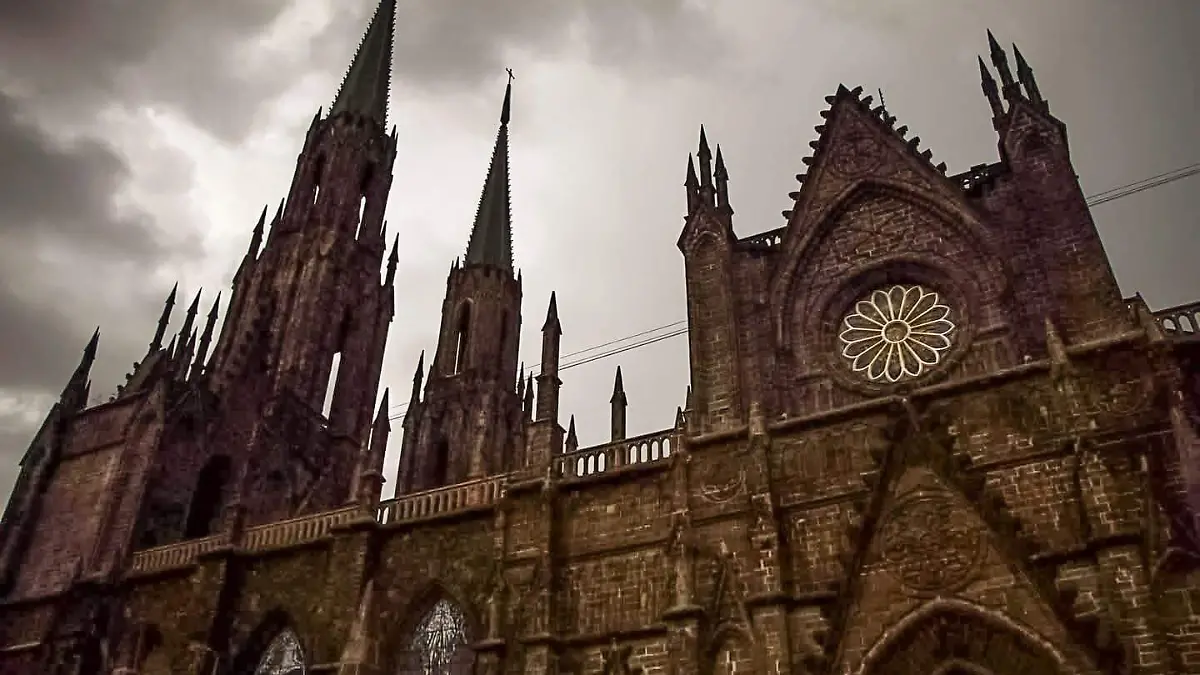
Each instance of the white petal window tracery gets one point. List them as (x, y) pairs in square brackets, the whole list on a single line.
[(284, 656), (896, 334)]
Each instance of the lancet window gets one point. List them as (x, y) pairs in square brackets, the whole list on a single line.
[(440, 643), (284, 656)]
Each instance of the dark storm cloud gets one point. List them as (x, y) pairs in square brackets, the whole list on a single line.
[(456, 44), (51, 189), (57, 197), (174, 52)]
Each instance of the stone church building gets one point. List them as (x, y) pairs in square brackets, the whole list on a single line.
[(925, 434)]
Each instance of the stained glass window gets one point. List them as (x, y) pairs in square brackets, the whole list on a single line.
[(283, 656), (440, 643)]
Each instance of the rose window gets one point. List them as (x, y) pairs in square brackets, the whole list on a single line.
[(896, 334)]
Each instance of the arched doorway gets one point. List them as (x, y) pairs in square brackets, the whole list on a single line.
[(951, 638)]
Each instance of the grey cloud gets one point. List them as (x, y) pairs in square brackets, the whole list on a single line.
[(50, 189), (57, 203), (174, 52), (459, 44)]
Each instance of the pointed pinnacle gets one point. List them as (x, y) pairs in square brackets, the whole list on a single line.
[(1022, 65), (256, 236), (704, 153), (420, 374), (993, 44), (393, 260), (985, 74), (691, 180), (367, 82), (618, 395), (383, 406), (195, 306), (89, 351), (171, 296), (212, 312), (571, 429), (720, 173), (552, 315)]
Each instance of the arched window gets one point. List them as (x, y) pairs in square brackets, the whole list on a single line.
[(439, 470), (318, 175), (283, 656), (462, 337), (503, 332), (440, 643), (209, 497), (732, 659), (364, 184)]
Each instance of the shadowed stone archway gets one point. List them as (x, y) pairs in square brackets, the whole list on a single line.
[(958, 638)]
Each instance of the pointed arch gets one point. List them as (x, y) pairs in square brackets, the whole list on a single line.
[(208, 497), (804, 238), (949, 637), (436, 636), (731, 652), (462, 337), (273, 648)]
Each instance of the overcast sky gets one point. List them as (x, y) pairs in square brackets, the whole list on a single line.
[(139, 141)]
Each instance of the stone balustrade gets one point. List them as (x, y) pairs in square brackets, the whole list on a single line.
[(1183, 320), (172, 556), (267, 537), (300, 530), (600, 459), (477, 493)]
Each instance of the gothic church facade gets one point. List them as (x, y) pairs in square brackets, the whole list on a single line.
[(925, 434)]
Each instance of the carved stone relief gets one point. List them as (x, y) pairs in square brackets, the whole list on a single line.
[(931, 546)]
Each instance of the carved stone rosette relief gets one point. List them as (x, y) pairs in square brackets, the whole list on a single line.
[(858, 154), (931, 546)]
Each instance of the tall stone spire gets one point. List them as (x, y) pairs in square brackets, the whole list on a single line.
[(365, 88), (491, 236)]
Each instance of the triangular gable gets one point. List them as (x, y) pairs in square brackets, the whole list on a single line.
[(858, 152), (930, 531)]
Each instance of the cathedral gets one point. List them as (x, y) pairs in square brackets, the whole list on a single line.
[(925, 435)]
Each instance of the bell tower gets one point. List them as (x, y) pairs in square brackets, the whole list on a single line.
[(468, 424), (302, 348)]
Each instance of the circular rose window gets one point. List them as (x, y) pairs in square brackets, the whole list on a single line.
[(896, 334)]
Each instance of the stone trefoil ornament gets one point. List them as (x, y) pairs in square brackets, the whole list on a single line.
[(896, 334)]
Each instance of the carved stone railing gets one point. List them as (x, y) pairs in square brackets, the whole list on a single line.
[(1183, 320), (602, 458), (764, 240), (172, 556), (267, 537), (477, 493), (295, 531)]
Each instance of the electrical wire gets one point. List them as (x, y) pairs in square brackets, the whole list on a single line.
[(1096, 199)]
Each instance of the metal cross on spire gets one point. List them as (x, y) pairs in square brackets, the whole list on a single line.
[(511, 77)]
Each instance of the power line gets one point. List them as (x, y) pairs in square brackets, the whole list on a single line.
[(1096, 199)]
